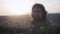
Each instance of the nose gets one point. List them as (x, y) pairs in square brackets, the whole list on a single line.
[(36, 14)]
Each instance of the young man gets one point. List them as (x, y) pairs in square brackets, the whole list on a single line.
[(40, 23)]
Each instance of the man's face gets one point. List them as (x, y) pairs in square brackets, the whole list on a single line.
[(37, 13)]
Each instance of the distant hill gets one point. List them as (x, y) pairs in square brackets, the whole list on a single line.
[(54, 19), (24, 20)]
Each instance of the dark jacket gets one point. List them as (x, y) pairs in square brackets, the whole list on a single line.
[(42, 28)]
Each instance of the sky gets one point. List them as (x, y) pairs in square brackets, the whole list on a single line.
[(19, 7)]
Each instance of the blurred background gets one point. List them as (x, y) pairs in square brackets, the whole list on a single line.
[(21, 7), (15, 13)]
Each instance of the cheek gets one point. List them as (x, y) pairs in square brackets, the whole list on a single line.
[(32, 15)]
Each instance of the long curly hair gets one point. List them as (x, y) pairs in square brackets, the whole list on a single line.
[(41, 7)]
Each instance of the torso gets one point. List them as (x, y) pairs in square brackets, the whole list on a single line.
[(42, 28)]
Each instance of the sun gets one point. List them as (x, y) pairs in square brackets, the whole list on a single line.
[(19, 7)]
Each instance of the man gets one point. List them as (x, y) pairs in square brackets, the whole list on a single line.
[(40, 23)]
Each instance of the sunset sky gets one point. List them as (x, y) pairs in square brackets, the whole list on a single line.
[(19, 7)]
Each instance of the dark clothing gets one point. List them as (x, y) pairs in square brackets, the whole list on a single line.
[(42, 28)]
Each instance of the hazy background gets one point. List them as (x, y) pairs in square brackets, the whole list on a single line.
[(21, 7)]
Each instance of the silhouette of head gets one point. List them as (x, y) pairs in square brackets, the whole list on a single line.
[(38, 11)]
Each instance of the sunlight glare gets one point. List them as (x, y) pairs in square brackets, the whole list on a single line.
[(19, 6)]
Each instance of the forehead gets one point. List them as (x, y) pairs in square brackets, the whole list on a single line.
[(37, 9)]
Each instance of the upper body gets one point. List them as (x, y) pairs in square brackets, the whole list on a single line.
[(41, 24)]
